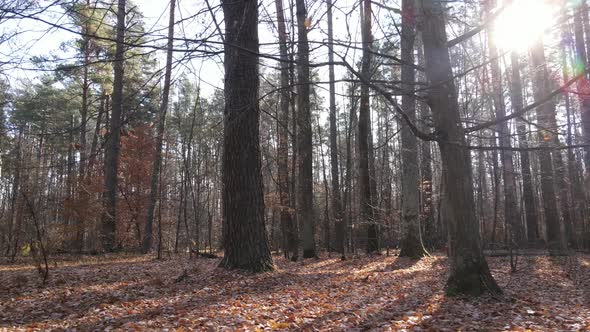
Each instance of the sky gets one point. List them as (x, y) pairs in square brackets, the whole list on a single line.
[(38, 39)]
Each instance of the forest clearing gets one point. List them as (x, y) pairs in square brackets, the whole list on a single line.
[(379, 293), (353, 137)]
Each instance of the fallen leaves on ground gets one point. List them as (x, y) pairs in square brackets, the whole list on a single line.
[(379, 293)]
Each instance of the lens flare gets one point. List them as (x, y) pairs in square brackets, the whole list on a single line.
[(521, 23)]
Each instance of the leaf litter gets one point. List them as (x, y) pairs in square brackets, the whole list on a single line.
[(379, 293)]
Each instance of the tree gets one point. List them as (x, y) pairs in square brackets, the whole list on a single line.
[(364, 132), (305, 215), (583, 10), (532, 233), (147, 240), (244, 234), (287, 223), (511, 213), (411, 243), (113, 141), (547, 157), (340, 229), (469, 271)]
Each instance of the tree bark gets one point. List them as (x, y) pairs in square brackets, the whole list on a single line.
[(244, 234), (305, 215), (578, 196), (586, 88), (532, 232), (547, 138), (287, 223), (411, 243), (364, 128), (469, 272), (113, 143), (79, 237), (336, 197)]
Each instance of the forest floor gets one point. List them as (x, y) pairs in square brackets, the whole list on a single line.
[(379, 293)]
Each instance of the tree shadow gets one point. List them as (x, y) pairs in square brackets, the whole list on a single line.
[(401, 263), (73, 303), (535, 298), (370, 293)]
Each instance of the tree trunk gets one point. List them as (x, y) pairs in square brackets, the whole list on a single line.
[(112, 145), (511, 209), (411, 243), (322, 164), (287, 223), (339, 227), (305, 215), (364, 128), (585, 88), (348, 192), (15, 204), (157, 164), (532, 233), (79, 236), (469, 272), (244, 234), (578, 196), (546, 120)]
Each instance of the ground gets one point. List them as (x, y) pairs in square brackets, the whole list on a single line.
[(379, 293)]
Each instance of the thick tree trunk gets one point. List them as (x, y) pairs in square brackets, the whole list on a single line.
[(305, 215), (287, 223), (469, 272), (244, 234), (336, 197), (112, 145), (411, 243), (364, 128), (157, 164), (547, 139)]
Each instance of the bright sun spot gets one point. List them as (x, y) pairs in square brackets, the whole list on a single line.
[(520, 24)]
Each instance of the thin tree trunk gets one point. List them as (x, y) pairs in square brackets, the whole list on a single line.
[(79, 236), (327, 240), (511, 209), (287, 223), (349, 166), (15, 200), (339, 225), (157, 164)]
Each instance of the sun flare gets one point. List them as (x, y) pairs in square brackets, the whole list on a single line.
[(521, 23)]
